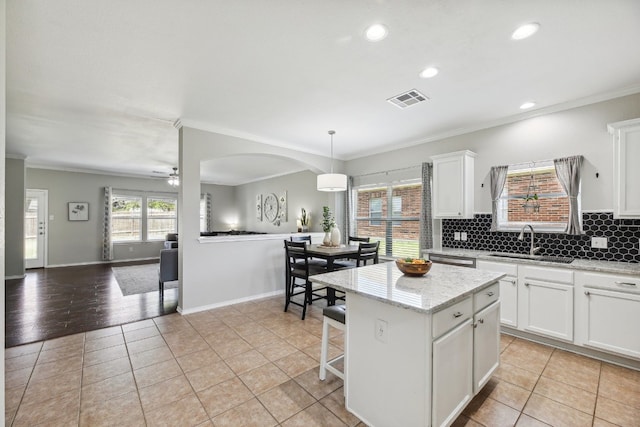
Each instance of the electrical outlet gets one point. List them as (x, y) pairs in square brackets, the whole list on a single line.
[(130, 248), (456, 235), (463, 236), (599, 242), (382, 330)]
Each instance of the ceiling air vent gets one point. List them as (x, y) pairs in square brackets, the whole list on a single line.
[(407, 99)]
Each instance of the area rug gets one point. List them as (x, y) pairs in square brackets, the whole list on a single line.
[(139, 279)]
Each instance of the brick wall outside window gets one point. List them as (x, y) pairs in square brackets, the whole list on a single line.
[(554, 203)]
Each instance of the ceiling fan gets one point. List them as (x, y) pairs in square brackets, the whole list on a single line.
[(173, 179)]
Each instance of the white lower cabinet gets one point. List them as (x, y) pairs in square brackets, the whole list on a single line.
[(466, 354), (610, 313), (547, 301), (508, 290), (486, 345), (452, 373)]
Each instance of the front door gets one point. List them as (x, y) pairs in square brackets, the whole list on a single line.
[(35, 228)]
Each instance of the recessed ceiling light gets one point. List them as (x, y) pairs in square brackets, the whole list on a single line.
[(526, 30), (527, 105), (429, 72), (376, 32)]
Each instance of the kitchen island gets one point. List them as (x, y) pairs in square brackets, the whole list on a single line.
[(417, 349)]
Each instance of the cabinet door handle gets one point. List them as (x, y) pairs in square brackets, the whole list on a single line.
[(587, 293), (513, 282), (489, 294), (457, 314), (480, 320), (626, 283), (526, 283)]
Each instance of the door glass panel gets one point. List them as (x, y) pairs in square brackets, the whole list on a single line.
[(31, 229)]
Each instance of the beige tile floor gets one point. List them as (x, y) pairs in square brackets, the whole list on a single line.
[(252, 365)]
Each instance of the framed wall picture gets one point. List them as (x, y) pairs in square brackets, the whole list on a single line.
[(78, 211)]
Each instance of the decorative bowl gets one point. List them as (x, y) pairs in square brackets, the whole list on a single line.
[(414, 269)]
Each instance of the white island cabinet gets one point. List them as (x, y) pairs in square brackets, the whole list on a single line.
[(417, 349)]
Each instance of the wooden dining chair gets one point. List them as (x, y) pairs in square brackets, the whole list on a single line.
[(368, 252), (299, 268), (358, 239)]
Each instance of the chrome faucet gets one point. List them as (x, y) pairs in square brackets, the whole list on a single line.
[(533, 249)]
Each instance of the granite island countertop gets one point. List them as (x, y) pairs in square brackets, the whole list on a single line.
[(577, 264), (441, 287)]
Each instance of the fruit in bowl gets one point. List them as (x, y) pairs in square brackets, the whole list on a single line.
[(414, 266)]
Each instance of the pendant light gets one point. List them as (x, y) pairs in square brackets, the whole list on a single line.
[(332, 181), (174, 178)]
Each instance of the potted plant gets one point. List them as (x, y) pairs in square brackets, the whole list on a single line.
[(327, 225)]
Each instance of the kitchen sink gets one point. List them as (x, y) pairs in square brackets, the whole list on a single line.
[(558, 259)]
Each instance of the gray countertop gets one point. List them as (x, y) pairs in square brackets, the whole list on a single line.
[(442, 286), (577, 264)]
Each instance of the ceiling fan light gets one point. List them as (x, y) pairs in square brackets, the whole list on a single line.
[(174, 178)]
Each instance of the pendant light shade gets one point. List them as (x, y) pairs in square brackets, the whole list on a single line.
[(174, 178), (332, 181)]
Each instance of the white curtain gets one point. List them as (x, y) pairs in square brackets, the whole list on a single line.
[(498, 178), (426, 217), (107, 243), (568, 172)]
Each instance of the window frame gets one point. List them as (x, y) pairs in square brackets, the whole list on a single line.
[(144, 196), (393, 222), (539, 226)]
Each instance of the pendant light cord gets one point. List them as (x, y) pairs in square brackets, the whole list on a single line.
[(332, 132)]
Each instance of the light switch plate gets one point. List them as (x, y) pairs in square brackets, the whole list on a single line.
[(456, 235), (463, 236), (599, 242)]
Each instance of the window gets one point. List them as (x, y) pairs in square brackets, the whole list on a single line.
[(375, 211), (533, 195), (126, 224), (398, 228), (162, 217), (203, 215), (137, 216)]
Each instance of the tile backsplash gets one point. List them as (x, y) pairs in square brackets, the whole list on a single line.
[(622, 236)]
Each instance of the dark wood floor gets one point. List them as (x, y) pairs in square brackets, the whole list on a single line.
[(54, 302)]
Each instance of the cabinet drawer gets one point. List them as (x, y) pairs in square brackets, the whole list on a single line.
[(450, 317), (510, 269), (548, 274), (614, 283), (486, 296)]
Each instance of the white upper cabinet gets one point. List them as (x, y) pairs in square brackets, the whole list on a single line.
[(453, 185), (626, 173)]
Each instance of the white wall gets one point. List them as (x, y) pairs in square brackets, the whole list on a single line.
[(301, 193), (200, 264), (3, 111), (14, 263), (577, 131), (224, 210), (80, 242)]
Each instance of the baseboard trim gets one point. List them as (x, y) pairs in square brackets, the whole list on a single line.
[(114, 261), (15, 277), (230, 302), (584, 351)]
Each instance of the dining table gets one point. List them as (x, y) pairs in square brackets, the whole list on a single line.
[(330, 254)]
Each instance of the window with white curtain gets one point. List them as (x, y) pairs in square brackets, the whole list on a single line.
[(140, 216), (390, 213), (533, 195)]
